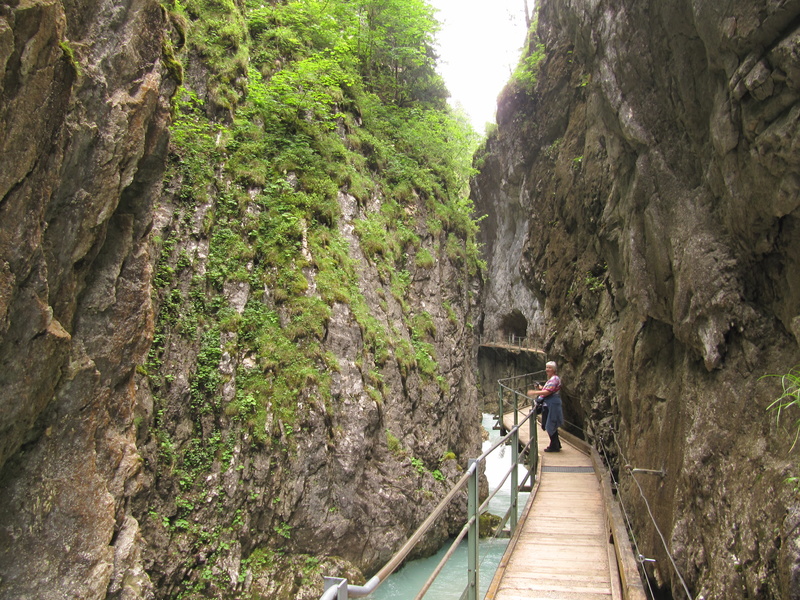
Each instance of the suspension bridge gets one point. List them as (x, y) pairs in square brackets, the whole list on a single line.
[(568, 542)]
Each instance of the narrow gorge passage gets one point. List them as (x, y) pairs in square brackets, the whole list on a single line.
[(251, 252)]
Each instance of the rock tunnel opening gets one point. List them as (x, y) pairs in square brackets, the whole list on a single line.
[(514, 324)]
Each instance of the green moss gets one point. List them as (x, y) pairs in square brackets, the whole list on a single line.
[(422, 326), (295, 115), (451, 313), (170, 47), (424, 259), (69, 55), (487, 523)]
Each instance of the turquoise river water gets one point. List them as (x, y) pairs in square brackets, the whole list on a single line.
[(449, 585)]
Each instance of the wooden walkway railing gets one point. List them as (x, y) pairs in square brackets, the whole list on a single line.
[(566, 545)]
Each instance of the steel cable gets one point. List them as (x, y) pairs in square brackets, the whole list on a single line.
[(628, 523), (653, 519)]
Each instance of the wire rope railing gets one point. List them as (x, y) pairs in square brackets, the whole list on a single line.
[(339, 588), (628, 524), (640, 557)]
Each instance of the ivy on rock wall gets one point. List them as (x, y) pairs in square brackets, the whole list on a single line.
[(290, 112)]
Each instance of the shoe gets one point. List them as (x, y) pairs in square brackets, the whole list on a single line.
[(548, 449)]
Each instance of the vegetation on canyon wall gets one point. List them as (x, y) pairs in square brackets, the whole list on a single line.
[(285, 108), (789, 399)]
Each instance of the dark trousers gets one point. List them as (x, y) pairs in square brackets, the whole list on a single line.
[(555, 443)]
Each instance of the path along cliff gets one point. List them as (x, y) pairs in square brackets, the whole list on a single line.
[(641, 193)]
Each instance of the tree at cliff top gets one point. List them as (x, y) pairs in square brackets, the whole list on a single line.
[(318, 260)]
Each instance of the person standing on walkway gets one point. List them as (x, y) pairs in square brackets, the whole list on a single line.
[(549, 393)]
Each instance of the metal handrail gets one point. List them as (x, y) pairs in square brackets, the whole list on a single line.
[(525, 376), (632, 589), (522, 342), (338, 588), (529, 379), (504, 385)]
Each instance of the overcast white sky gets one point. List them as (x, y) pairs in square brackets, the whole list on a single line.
[(479, 46)]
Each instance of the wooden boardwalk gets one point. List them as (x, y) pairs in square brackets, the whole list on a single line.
[(509, 346), (562, 547)]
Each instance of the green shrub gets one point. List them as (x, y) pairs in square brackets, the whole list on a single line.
[(526, 74)]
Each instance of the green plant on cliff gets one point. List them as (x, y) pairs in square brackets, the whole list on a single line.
[(69, 54), (789, 399), (526, 74), (304, 102)]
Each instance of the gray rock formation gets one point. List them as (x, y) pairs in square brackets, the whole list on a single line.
[(83, 133), (93, 503), (656, 169), (340, 481)]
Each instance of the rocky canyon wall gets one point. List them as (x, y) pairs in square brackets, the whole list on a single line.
[(646, 168), (189, 408), (83, 139)]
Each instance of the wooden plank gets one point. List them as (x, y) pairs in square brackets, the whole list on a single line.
[(561, 549), (632, 588), (494, 585)]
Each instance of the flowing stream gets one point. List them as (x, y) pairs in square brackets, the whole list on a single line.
[(449, 585)]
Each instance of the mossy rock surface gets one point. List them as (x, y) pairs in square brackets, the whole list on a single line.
[(487, 523)]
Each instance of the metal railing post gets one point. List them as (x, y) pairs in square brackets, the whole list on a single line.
[(339, 585), (500, 407), (533, 448), (514, 478), (473, 534), (516, 409)]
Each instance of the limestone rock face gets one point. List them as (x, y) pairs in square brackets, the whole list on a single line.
[(83, 117), (341, 484), (650, 181), (92, 504)]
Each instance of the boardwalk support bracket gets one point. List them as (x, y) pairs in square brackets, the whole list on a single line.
[(660, 472)]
